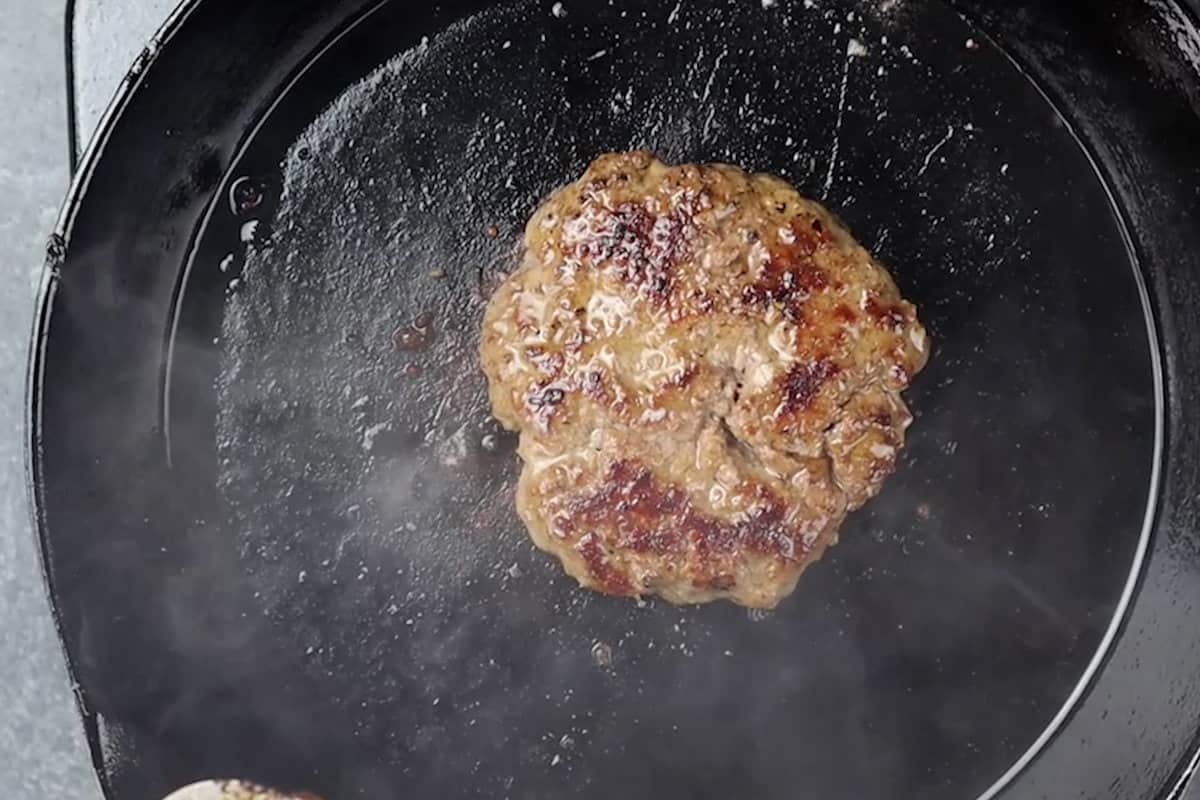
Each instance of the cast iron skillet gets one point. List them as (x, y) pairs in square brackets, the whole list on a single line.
[(281, 548)]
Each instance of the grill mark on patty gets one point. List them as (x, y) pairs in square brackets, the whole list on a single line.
[(635, 512), (611, 580), (639, 246), (886, 313), (791, 275), (801, 384)]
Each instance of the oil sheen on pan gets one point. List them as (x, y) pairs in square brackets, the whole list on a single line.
[(705, 370)]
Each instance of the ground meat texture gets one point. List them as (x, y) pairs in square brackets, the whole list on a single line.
[(705, 370)]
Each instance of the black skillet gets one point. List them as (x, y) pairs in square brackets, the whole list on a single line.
[(279, 537)]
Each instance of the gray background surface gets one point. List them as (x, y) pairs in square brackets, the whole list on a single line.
[(42, 752), (42, 749)]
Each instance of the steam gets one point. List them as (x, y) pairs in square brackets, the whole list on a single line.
[(371, 493)]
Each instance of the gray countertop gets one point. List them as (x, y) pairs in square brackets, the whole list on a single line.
[(42, 750)]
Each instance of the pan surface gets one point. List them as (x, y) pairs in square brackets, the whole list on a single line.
[(283, 548)]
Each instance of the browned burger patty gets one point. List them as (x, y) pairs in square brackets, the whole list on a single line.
[(705, 370)]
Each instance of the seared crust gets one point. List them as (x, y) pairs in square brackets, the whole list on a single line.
[(705, 370)]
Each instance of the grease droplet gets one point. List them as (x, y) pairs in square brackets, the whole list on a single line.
[(247, 194), (602, 654)]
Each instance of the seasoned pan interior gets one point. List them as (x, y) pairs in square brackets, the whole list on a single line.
[(369, 494)]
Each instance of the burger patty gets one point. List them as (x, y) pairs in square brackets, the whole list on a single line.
[(705, 370)]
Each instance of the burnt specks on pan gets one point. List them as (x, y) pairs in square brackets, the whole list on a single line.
[(416, 335), (681, 349)]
